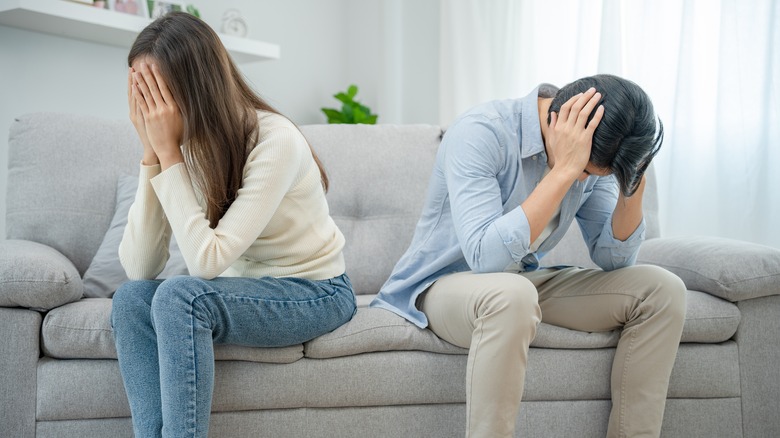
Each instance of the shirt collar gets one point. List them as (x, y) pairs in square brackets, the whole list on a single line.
[(531, 132)]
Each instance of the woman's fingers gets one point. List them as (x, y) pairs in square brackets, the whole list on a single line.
[(164, 91), (140, 100), (143, 88), (151, 84), (130, 87)]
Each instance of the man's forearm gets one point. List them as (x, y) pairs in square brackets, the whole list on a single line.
[(628, 214), (541, 204)]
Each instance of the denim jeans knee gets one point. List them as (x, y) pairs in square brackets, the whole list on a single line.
[(131, 299)]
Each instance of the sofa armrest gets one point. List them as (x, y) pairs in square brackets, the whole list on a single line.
[(730, 269), (36, 276), (19, 351)]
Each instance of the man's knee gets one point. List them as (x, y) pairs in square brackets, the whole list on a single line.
[(511, 298), (668, 291)]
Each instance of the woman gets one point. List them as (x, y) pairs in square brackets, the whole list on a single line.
[(240, 189)]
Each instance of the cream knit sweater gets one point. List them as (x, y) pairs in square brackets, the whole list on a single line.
[(279, 225)]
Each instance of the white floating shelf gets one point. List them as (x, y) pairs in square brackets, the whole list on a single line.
[(73, 20)]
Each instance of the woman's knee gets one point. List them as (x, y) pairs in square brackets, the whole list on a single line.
[(176, 294), (132, 301)]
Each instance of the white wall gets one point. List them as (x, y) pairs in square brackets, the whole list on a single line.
[(393, 56), (389, 48)]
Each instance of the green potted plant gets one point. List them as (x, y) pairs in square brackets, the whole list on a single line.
[(352, 111)]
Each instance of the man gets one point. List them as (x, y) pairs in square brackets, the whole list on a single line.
[(510, 177)]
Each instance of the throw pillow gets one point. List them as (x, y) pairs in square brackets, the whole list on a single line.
[(36, 276), (730, 269), (105, 274)]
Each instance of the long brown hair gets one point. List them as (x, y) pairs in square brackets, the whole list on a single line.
[(217, 105)]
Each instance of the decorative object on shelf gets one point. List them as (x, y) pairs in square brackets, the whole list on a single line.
[(233, 23), (352, 111), (159, 8), (132, 7), (100, 4)]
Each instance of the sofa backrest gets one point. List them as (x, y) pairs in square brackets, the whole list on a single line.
[(378, 177), (63, 171)]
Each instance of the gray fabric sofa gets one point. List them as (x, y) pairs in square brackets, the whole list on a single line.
[(377, 376)]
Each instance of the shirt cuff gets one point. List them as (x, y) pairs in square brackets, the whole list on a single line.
[(624, 248), (515, 233)]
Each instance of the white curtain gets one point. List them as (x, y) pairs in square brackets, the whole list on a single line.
[(712, 68)]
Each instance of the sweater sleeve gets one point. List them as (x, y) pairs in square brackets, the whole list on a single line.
[(270, 172), (143, 251)]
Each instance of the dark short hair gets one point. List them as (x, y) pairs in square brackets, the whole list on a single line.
[(627, 137)]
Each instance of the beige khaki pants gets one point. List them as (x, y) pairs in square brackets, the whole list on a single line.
[(495, 315)]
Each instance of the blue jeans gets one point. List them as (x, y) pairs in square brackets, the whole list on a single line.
[(165, 333)]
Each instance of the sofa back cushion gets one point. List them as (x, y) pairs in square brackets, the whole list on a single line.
[(378, 178), (62, 178)]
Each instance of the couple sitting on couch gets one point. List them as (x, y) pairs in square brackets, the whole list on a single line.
[(245, 199)]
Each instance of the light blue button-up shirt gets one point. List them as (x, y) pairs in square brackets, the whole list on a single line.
[(489, 161)]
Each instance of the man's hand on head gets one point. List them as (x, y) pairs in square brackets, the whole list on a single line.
[(571, 135)]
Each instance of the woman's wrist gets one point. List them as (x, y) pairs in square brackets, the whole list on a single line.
[(171, 158), (149, 158)]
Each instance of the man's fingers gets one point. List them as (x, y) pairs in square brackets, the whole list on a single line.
[(578, 105), (594, 122), (566, 108), (585, 112)]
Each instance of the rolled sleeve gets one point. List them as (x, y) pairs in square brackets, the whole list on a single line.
[(595, 220), (515, 233), (611, 253)]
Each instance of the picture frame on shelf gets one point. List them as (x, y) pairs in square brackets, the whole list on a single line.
[(138, 8), (159, 8)]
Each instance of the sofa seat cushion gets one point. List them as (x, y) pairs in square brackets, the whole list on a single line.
[(708, 320), (82, 330), (374, 329)]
